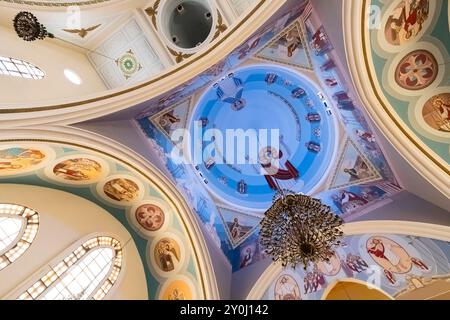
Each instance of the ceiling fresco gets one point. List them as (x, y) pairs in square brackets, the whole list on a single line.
[(409, 54), (251, 89), (127, 195), (398, 265), (265, 98)]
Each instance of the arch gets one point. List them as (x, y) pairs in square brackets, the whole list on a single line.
[(68, 112), (426, 162), (17, 237), (437, 232), (354, 289), (20, 68), (81, 274), (148, 174)]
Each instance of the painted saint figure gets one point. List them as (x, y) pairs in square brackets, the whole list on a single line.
[(230, 90)]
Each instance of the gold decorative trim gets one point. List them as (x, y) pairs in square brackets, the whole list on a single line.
[(142, 173), (83, 32), (179, 56), (145, 84), (152, 12), (55, 4), (220, 27), (380, 100)]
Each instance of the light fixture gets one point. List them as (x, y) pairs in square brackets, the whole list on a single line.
[(72, 76), (28, 27), (298, 229)]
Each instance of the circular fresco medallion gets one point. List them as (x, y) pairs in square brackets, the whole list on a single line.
[(286, 288), (167, 255), (417, 70), (180, 288), (122, 190), (406, 21), (331, 267), (436, 112), (78, 169), (150, 217), (389, 254), (18, 159)]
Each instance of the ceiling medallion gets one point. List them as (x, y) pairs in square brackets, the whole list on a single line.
[(299, 229), (28, 27)]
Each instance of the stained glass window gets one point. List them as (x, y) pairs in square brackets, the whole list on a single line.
[(18, 228), (19, 68), (89, 272)]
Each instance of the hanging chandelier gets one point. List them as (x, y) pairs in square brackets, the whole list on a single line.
[(299, 229), (29, 28)]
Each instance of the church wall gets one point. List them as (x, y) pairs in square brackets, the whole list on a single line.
[(406, 206), (52, 59)]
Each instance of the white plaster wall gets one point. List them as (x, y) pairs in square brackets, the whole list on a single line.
[(52, 59), (60, 226)]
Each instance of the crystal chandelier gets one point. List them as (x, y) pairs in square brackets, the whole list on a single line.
[(299, 229)]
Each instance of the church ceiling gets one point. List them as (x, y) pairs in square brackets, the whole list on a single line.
[(278, 78)]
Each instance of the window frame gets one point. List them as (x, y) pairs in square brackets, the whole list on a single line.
[(51, 276), (32, 71), (30, 227)]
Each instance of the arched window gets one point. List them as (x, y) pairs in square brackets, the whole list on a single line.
[(18, 228), (89, 272), (20, 68)]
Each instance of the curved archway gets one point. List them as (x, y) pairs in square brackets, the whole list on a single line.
[(403, 228), (354, 289), (120, 166)]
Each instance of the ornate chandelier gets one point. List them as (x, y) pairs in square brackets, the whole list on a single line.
[(28, 27), (298, 229)]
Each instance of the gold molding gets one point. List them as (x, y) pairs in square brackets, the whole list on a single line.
[(143, 174), (152, 12), (380, 100), (145, 84)]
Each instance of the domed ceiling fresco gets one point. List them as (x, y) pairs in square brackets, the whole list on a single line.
[(265, 98), (286, 77), (408, 55)]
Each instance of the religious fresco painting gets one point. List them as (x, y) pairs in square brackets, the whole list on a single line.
[(172, 118), (408, 60), (436, 112), (353, 168), (16, 160), (397, 264), (287, 288), (229, 96), (63, 167), (289, 48), (122, 189), (78, 169), (239, 225), (406, 21)]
